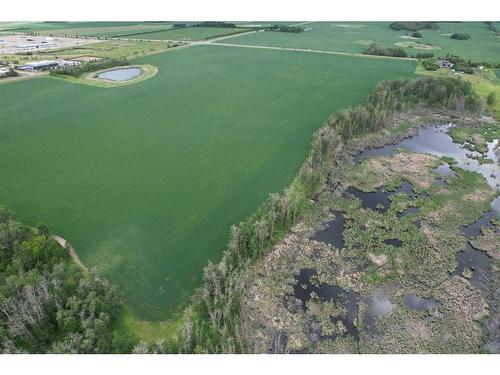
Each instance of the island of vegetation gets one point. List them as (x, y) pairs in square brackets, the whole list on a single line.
[(285, 28), (414, 26)]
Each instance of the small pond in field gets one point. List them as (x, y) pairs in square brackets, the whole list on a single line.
[(119, 75)]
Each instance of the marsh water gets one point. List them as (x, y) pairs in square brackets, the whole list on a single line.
[(378, 305), (333, 233), (119, 75), (306, 286), (417, 303), (375, 200), (433, 140)]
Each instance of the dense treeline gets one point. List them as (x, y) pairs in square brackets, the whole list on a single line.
[(285, 29), (375, 49), (214, 322), (214, 24), (47, 303), (414, 26), (78, 70)]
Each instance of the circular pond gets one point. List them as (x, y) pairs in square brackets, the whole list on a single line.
[(120, 75)]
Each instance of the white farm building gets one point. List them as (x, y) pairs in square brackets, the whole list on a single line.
[(39, 65)]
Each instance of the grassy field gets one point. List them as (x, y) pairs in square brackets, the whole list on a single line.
[(355, 37), (145, 180), (189, 33)]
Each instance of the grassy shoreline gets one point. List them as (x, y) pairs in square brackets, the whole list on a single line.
[(147, 71)]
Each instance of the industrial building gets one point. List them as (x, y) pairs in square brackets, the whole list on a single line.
[(36, 46), (39, 65)]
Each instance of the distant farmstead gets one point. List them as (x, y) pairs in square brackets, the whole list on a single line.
[(445, 64)]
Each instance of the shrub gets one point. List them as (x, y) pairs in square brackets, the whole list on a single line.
[(430, 65), (459, 36), (491, 98)]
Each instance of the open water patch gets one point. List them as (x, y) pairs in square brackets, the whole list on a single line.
[(306, 286), (375, 200), (333, 233), (120, 75)]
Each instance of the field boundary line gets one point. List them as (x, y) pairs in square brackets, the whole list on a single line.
[(307, 50)]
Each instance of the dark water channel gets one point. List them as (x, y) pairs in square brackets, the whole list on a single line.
[(435, 140), (333, 234), (376, 200), (476, 260), (394, 242), (305, 287)]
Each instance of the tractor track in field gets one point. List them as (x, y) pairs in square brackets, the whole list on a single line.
[(71, 251)]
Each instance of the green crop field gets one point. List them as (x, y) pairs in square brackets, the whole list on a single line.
[(145, 180), (189, 33), (356, 37)]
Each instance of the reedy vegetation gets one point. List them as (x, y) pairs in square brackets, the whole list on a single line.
[(213, 322)]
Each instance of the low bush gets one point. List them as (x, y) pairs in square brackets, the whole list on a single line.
[(375, 49), (460, 36)]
